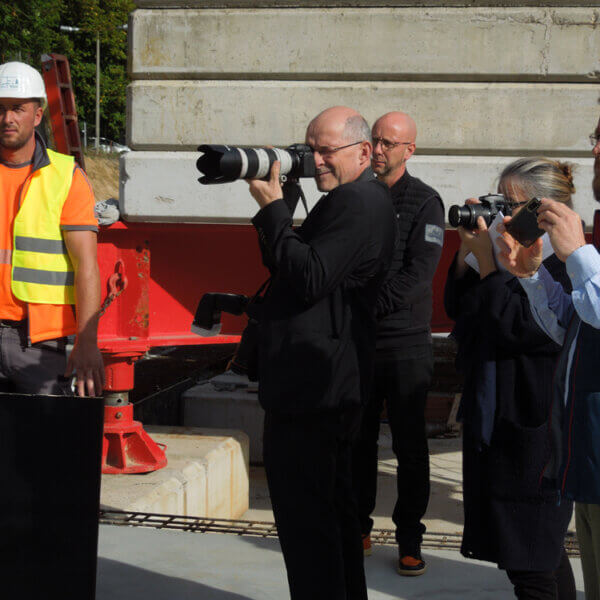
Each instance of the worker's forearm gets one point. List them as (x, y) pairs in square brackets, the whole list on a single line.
[(87, 299)]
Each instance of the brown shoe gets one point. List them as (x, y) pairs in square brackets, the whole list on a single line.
[(411, 566), (367, 548)]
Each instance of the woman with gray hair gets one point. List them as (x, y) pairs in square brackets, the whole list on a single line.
[(514, 517)]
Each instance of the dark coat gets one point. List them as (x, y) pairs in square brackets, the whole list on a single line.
[(317, 329), (512, 518)]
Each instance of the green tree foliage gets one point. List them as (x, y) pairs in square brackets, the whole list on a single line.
[(30, 28)]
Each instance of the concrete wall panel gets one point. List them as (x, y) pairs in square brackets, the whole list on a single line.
[(453, 118), (351, 3), (163, 186), (500, 43)]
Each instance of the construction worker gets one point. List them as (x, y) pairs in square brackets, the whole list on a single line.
[(49, 279)]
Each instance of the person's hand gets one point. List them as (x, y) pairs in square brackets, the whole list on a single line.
[(563, 226), (265, 192), (478, 242), (463, 250), (516, 258), (86, 362)]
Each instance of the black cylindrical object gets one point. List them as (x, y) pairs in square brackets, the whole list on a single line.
[(466, 216)]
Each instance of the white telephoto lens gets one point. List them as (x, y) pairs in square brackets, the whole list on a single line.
[(285, 158), (244, 163), (263, 163)]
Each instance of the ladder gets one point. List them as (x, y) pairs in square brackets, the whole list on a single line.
[(61, 106)]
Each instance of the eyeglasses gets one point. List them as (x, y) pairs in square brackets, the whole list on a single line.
[(325, 151), (594, 139), (387, 144)]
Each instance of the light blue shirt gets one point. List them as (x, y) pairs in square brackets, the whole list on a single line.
[(553, 308)]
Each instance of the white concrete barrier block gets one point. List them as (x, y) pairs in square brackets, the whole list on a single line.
[(219, 479), (240, 478), (195, 489), (230, 4), (453, 118), (166, 498), (527, 43), (207, 476), (163, 187)]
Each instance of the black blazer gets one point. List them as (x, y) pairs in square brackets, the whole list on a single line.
[(317, 330)]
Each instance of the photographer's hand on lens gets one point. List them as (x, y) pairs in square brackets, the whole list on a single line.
[(479, 243), (517, 259), (563, 226), (265, 192)]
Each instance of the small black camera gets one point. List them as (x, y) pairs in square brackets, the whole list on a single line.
[(466, 216)]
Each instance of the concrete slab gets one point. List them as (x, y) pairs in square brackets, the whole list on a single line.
[(207, 475), (453, 118), (148, 564), (163, 186), (350, 3), (208, 405), (454, 43)]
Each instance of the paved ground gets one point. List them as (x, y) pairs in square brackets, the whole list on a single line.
[(151, 564), (444, 514)]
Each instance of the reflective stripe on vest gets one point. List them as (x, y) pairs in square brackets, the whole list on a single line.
[(42, 272)]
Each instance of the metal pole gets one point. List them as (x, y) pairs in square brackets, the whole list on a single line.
[(97, 144)]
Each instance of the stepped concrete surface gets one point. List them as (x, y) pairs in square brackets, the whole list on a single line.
[(207, 475), (485, 44), (163, 186), (149, 564), (491, 117)]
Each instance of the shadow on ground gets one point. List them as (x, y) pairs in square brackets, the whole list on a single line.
[(122, 581)]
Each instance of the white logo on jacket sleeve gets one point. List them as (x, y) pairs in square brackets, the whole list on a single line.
[(434, 234)]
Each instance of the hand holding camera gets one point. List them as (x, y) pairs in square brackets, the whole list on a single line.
[(521, 261), (477, 240), (265, 192), (563, 226)]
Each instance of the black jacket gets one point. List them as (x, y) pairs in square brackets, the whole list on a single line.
[(317, 329), (511, 517), (404, 304)]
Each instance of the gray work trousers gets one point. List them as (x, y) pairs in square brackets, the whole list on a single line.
[(35, 369)]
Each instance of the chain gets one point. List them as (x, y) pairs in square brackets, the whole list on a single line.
[(110, 298), (117, 283)]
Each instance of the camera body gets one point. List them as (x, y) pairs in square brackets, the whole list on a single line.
[(224, 164), (466, 216)]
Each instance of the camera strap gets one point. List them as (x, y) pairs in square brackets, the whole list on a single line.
[(292, 192), (253, 307)]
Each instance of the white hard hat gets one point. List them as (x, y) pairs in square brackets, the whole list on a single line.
[(18, 80)]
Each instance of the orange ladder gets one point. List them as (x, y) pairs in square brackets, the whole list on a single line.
[(61, 106)]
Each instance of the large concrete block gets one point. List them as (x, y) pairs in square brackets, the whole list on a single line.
[(399, 43), (163, 186), (207, 476), (453, 118), (351, 3)]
